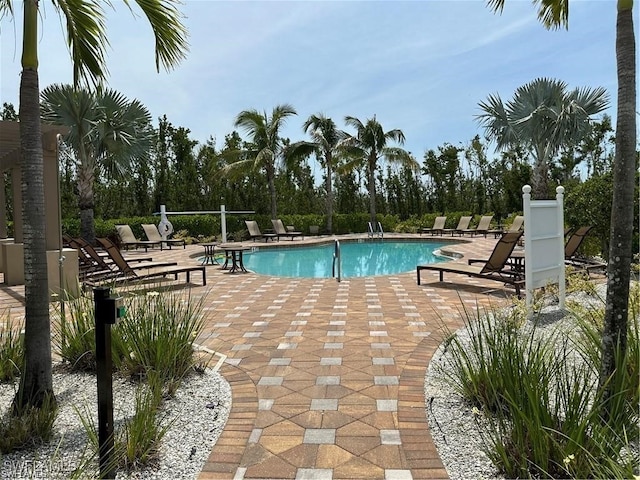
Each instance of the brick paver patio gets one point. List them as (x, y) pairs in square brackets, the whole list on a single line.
[(327, 377)]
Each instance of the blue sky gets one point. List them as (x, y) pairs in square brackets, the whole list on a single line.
[(420, 66)]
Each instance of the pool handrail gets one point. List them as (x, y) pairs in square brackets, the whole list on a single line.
[(377, 232), (336, 258)]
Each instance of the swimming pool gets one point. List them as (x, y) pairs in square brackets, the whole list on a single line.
[(359, 259)]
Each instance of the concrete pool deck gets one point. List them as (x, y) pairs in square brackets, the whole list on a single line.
[(327, 377)]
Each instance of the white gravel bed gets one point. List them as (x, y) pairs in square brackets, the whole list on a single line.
[(197, 414)]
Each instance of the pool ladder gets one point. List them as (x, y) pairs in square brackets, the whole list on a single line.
[(337, 262), (375, 232)]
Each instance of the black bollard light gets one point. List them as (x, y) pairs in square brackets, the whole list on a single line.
[(107, 311)]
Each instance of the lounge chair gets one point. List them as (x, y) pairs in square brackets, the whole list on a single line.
[(516, 226), (144, 271), (88, 267), (281, 231), (105, 258), (571, 256), (256, 234), (493, 269), (153, 235), (482, 229), (438, 226), (463, 224), (516, 259), (128, 239)]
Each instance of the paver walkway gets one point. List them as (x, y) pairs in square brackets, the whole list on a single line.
[(327, 377)]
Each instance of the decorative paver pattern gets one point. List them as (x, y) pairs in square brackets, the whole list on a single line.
[(327, 377)]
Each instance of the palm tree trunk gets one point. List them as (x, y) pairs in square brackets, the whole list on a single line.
[(539, 180), (272, 191), (36, 382), (86, 180), (614, 336), (372, 192), (329, 188)]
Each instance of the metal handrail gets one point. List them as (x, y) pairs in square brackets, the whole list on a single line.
[(371, 232), (336, 260)]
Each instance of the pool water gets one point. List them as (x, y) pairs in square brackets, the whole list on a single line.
[(359, 259)]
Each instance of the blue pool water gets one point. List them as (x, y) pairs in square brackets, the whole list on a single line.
[(363, 259)]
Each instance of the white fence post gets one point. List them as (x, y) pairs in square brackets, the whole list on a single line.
[(561, 279), (223, 224)]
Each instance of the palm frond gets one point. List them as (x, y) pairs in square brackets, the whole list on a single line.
[(252, 122), (354, 123), (553, 13), (86, 39), (6, 8), (169, 31), (396, 135), (400, 156)]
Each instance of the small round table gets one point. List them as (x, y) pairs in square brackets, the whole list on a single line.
[(209, 253), (234, 252)]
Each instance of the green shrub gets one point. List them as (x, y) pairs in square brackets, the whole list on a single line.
[(27, 427), (74, 335), (495, 344), (11, 348), (158, 333), (627, 377), (138, 441), (545, 411)]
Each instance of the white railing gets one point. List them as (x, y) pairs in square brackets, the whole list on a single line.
[(337, 262), (375, 232)]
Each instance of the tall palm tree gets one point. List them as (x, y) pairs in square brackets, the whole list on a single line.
[(369, 146), (325, 140), (107, 131), (265, 146), (544, 117), (553, 14), (86, 37)]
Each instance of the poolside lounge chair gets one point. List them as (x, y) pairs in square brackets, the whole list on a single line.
[(153, 235), (100, 264), (463, 224), (493, 269), (571, 256), (516, 226), (255, 233), (281, 231), (144, 271), (87, 266), (482, 229), (104, 258), (516, 259), (128, 239), (438, 226)]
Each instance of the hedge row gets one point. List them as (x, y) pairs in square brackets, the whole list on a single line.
[(196, 226)]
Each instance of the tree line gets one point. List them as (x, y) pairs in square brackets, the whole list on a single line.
[(114, 163)]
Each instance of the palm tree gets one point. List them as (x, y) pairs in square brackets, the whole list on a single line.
[(106, 131), (543, 117), (369, 146), (265, 147), (87, 40), (325, 139), (553, 14)]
